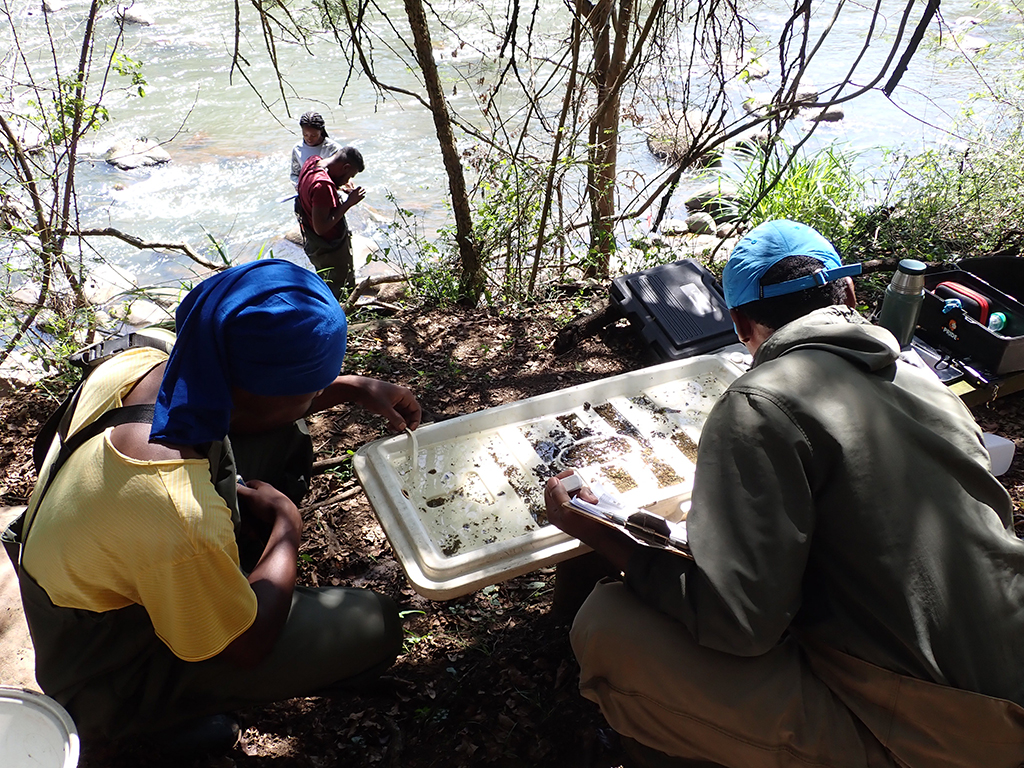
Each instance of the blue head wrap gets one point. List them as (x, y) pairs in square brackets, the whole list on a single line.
[(269, 327)]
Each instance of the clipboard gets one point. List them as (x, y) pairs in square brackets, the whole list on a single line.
[(642, 526)]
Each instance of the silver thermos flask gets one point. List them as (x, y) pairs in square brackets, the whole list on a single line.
[(902, 302)]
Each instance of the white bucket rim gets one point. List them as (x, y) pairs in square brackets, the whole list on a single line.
[(21, 700)]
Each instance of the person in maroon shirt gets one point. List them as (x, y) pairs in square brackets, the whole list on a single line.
[(321, 211)]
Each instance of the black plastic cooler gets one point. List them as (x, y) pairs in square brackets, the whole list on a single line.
[(679, 309)]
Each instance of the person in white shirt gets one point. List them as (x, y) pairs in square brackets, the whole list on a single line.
[(315, 141)]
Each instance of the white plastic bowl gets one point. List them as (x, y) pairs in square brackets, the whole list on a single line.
[(35, 731), (1001, 451)]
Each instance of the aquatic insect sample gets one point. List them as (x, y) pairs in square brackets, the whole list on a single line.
[(462, 501)]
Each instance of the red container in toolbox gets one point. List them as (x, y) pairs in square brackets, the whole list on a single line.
[(964, 337)]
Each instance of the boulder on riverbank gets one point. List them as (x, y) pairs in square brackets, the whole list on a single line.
[(136, 153), (755, 69), (757, 104), (827, 115), (963, 37), (136, 16), (14, 214), (719, 199), (749, 142), (700, 223), (673, 138), (294, 236)]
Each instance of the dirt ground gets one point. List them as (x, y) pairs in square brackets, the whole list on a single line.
[(485, 679)]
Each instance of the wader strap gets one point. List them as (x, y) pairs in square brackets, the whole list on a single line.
[(57, 424), (87, 358), (129, 414)]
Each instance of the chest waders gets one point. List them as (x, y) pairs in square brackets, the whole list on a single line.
[(332, 259), (117, 678)]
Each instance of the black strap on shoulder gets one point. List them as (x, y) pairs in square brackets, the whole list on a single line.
[(128, 414), (56, 424)]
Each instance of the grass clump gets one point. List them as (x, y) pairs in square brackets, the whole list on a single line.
[(817, 189)]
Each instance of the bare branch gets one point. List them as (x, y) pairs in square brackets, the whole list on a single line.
[(556, 149), (145, 246), (915, 41), (365, 286)]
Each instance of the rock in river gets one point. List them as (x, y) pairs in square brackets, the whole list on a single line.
[(135, 153)]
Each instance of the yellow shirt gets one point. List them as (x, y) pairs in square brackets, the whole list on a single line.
[(114, 530)]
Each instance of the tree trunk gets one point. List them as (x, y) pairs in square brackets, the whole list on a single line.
[(604, 129), (471, 280)]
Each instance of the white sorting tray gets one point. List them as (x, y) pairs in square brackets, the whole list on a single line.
[(467, 510)]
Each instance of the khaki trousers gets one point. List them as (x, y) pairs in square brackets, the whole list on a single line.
[(655, 684)]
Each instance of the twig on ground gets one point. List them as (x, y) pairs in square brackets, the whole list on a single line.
[(319, 467), (584, 327), (348, 493), (366, 285)]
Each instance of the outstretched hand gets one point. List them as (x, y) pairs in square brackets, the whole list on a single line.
[(395, 403)]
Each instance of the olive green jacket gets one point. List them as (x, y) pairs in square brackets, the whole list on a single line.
[(846, 496)]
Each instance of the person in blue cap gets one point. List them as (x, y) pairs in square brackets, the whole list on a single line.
[(855, 595), (150, 611)]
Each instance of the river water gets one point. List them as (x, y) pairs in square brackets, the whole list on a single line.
[(230, 154)]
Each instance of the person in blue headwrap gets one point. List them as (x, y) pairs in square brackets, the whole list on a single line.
[(150, 610), (267, 328)]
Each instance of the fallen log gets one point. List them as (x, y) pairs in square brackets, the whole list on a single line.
[(585, 326)]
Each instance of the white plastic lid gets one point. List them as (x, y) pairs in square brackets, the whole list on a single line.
[(35, 731)]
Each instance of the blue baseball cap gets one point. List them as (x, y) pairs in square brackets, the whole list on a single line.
[(767, 244)]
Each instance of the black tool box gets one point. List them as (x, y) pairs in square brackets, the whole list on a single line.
[(966, 339), (1004, 272), (679, 309)]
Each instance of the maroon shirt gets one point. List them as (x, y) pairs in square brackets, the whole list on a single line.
[(316, 188)]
